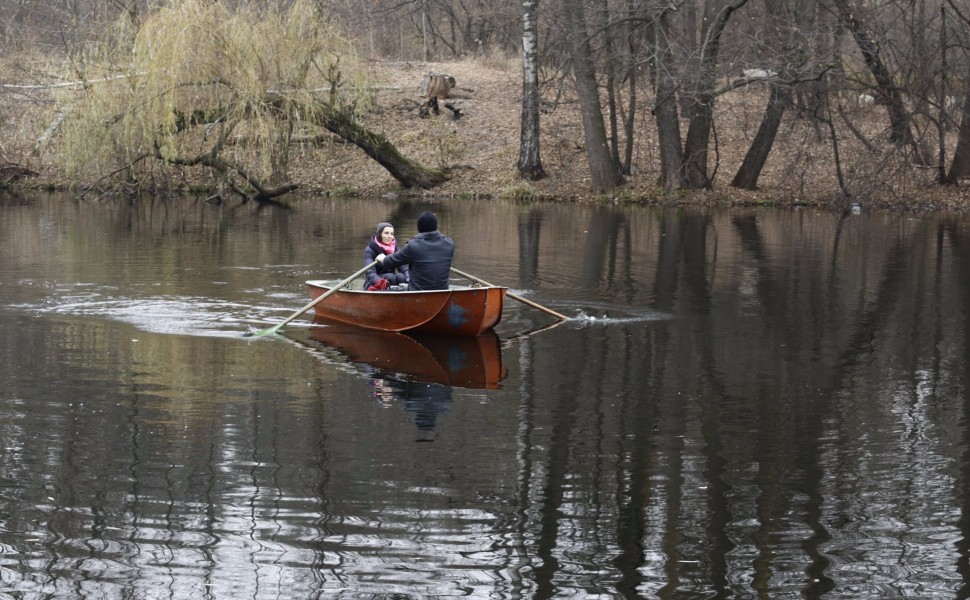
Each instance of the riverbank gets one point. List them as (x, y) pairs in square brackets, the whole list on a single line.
[(479, 149)]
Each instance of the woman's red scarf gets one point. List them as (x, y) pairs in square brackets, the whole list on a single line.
[(388, 249)]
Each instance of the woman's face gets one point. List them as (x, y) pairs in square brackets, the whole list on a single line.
[(387, 236)]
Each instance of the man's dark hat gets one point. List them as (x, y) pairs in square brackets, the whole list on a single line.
[(427, 222)]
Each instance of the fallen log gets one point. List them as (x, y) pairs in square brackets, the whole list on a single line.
[(10, 172)]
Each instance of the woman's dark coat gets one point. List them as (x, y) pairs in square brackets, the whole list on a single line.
[(392, 275)]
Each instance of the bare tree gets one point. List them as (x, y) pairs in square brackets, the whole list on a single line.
[(632, 24), (779, 98), (887, 89), (960, 167), (665, 106), (611, 64), (604, 174), (702, 99), (436, 29), (757, 155), (530, 163)]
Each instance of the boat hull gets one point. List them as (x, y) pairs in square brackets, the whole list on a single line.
[(462, 311)]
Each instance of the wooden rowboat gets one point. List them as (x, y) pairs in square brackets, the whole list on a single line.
[(458, 361), (459, 310)]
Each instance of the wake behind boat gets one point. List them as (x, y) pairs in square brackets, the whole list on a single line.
[(459, 310)]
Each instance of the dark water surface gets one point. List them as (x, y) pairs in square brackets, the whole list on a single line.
[(750, 403)]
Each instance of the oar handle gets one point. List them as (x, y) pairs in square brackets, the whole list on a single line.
[(333, 290), (513, 296), (317, 300)]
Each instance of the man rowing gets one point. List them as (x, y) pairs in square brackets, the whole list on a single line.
[(428, 256)]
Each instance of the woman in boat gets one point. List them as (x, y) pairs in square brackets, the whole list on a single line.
[(428, 255), (382, 277)]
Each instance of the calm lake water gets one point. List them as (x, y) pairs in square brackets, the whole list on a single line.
[(747, 403)]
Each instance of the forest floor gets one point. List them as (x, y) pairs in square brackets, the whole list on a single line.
[(480, 149)]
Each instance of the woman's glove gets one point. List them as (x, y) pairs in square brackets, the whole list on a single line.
[(380, 284)]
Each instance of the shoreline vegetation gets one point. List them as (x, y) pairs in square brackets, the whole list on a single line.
[(55, 139)]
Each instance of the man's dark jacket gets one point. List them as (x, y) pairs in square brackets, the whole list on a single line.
[(429, 256)]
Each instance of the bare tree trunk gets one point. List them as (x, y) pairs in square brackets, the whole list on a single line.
[(629, 123), (901, 135), (960, 167), (779, 97), (702, 104), (424, 27), (376, 146), (609, 65), (604, 175), (827, 34), (530, 163), (665, 111), (757, 155), (941, 110), (688, 31), (837, 156)]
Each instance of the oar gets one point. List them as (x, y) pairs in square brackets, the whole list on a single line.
[(513, 296), (316, 301)]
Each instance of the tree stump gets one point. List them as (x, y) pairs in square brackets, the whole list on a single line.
[(435, 87)]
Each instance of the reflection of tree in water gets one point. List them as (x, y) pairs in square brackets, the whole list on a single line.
[(424, 400)]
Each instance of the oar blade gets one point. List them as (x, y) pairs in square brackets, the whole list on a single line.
[(264, 332), (319, 299)]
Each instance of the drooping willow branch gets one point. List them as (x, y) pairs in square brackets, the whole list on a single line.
[(407, 172), (212, 160)]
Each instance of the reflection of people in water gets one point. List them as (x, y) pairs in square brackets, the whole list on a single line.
[(425, 400)]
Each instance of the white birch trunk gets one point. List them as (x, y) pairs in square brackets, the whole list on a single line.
[(530, 163)]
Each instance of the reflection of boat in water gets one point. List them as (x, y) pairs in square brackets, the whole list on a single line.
[(459, 310), (460, 361)]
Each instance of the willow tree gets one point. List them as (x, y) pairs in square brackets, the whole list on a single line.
[(228, 90)]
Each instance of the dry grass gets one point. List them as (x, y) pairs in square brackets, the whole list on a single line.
[(480, 149)]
